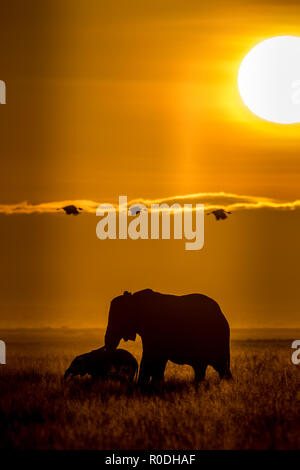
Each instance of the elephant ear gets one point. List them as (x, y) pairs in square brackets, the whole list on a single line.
[(129, 317), (126, 301)]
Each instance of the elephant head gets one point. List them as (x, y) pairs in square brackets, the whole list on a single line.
[(122, 322), (77, 367)]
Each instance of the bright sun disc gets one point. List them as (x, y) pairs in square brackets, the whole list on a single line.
[(269, 80)]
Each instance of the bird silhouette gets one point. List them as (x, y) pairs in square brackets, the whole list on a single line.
[(136, 210), (71, 210), (220, 214)]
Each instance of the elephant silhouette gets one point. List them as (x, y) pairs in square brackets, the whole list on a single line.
[(104, 364), (188, 329)]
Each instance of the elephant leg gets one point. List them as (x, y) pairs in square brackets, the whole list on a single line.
[(223, 370), (158, 370), (145, 372), (199, 370)]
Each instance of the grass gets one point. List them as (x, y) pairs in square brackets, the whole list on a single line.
[(260, 409)]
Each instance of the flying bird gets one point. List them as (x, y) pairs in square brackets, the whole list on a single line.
[(72, 210), (136, 210), (220, 214)]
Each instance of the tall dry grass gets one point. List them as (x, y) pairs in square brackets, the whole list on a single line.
[(260, 409)]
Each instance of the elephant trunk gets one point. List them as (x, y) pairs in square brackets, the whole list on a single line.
[(112, 340), (67, 373)]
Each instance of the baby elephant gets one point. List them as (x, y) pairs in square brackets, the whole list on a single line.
[(103, 364)]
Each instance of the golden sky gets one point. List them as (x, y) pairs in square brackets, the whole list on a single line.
[(141, 98)]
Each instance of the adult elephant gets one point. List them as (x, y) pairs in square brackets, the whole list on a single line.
[(188, 329)]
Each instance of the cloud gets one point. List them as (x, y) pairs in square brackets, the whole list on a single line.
[(211, 201)]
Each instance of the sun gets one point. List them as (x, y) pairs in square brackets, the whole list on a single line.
[(269, 80)]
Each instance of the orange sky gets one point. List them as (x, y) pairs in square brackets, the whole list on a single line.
[(141, 98)]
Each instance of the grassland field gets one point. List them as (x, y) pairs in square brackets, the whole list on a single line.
[(260, 409)]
